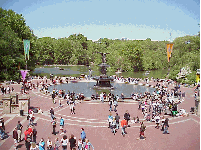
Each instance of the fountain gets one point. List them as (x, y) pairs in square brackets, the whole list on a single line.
[(103, 81)]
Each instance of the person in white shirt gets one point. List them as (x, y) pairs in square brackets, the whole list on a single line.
[(157, 121), (113, 126), (49, 143), (101, 97), (64, 142)]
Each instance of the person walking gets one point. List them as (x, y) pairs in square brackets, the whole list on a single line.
[(166, 126), (113, 126), (54, 126), (28, 144), (64, 142), (123, 125), (79, 144), (15, 137), (52, 113), (49, 144), (53, 96), (83, 135), (62, 125), (110, 104), (162, 124), (142, 130), (72, 107), (56, 144), (26, 135), (34, 134), (157, 121), (127, 116), (31, 117), (110, 118), (42, 144), (19, 131), (117, 117), (72, 142), (115, 103)]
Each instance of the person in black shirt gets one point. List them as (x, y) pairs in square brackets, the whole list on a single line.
[(166, 126), (72, 142), (28, 144), (127, 117), (52, 113), (117, 117), (34, 134)]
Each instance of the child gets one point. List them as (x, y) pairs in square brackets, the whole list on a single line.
[(49, 144), (79, 144), (57, 144), (113, 126)]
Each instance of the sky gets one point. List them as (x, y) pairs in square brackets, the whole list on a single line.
[(112, 19)]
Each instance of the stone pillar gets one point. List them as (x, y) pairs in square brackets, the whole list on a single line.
[(6, 104), (24, 103)]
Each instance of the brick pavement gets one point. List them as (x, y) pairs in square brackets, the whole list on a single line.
[(184, 131)]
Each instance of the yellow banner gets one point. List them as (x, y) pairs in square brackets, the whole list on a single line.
[(197, 78), (169, 51)]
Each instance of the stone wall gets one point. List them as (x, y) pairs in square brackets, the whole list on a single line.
[(6, 104)]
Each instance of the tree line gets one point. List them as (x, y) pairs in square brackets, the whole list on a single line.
[(126, 55)]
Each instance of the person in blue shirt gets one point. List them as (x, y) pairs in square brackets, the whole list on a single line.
[(42, 144), (83, 135), (110, 118), (62, 125)]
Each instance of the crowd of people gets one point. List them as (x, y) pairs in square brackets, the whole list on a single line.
[(152, 105), (30, 138)]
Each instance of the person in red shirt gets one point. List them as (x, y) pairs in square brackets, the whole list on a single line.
[(123, 125), (30, 130), (26, 132)]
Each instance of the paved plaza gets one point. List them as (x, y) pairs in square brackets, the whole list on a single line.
[(92, 116)]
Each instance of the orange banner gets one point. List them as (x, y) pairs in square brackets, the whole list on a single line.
[(169, 51)]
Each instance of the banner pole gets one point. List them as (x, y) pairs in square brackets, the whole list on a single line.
[(26, 64)]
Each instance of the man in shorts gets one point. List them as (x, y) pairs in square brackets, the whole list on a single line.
[(62, 125)]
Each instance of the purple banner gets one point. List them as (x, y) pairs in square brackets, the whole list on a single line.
[(23, 73)]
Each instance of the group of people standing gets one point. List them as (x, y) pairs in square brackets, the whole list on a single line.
[(114, 122)]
